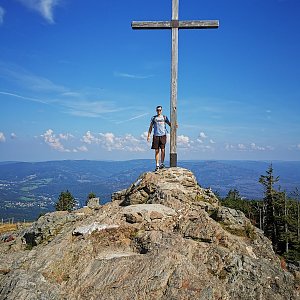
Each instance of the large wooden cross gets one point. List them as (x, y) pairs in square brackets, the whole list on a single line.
[(174, 24)]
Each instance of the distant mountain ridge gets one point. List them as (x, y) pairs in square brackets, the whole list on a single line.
[(30, 188)]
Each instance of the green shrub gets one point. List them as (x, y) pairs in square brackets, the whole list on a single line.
[(66, 201)]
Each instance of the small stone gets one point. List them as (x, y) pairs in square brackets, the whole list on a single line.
[(156, 215), (4, 271), (10, 238), (133, 218)]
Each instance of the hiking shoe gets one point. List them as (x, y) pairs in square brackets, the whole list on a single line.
[(157, 168), (162, 166)]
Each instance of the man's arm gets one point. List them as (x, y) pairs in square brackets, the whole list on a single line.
[(167, 120), (169, 123), (149, 132)]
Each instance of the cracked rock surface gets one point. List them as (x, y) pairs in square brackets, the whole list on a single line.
[(164, 237)]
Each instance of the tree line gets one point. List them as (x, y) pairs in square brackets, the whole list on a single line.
[(277, 214)]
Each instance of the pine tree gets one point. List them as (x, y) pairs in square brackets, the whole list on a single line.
[(66, 201), (233, 195), (293, 252), (296, 195), (257, 209), (269, 218), (282, 222), (234, 200), (91, 195)]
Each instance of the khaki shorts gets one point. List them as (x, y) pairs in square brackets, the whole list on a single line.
[(159, 142)]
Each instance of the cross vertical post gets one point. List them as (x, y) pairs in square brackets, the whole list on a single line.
[(175, 25), (174, 80)]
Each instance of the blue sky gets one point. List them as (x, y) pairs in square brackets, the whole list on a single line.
[(76, 82)]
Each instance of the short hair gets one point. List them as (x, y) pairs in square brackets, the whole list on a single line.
[(159, 106)]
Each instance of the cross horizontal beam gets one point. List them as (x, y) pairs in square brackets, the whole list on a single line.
[(205, 24)]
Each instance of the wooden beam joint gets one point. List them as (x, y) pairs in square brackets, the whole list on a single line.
[(175, 24)]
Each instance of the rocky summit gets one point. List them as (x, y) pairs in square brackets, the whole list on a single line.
[(165, 237)]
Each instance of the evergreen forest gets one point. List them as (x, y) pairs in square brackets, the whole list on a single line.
[(277, 214)]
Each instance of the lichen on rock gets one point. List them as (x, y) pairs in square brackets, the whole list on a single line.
[(164, 237)]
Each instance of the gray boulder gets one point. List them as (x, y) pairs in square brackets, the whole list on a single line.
[(173, 185), (47, 227), (93, 203)]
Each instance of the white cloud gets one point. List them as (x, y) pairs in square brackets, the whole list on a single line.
[(23, 97), (128, 143), (81, 149), (43, 7), (249, 147), (203, 135), (131, 76), (298, 146), (241, 147), (110, 142), (13, 136), (133, 118), (84, 103), (2, 13), (89, 138), (208, 147), (229, 147), (29, 81), (270, 148), (132, 144), (86, 108), (195, 144), (144, 135), (183, 141), (53, 141), (2, 137), (253, 146), (65, 136), (75, 108)]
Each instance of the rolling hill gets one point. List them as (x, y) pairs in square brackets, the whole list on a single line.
[(28, 189)]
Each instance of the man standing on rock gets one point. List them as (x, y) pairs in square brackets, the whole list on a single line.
[(158, 122)]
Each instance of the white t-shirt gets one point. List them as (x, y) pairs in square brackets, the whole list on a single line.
[(159, 125)]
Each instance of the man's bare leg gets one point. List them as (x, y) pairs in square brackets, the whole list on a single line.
[(157, 157), (162, 156)]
